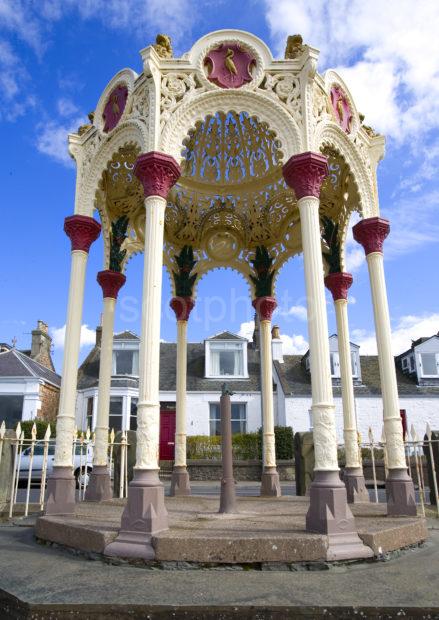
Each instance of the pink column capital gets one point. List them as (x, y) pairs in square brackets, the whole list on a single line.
[(338, 284), (305, 173), (82, 231), (111, 282), (370, 233), (157, 172), (264, 306), (182, 306)]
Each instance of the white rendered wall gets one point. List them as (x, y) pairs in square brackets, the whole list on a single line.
[(29, 389), (369, 409)]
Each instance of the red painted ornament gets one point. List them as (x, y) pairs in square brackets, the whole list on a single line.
[(114, 107), (305, 173), (157, 172), (82, 231), (182, 306), (342, 109), (338, 284), (370, 233), (111, 282), (264, 306), (229, 65)]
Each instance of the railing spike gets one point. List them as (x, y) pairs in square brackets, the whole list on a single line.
[(2, 429), (428, 431), (18, 431), (33, 432), (47, 433)]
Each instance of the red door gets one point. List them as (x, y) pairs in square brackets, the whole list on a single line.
[(167, 435)]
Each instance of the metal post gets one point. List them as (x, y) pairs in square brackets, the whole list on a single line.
[(228, 495), (31, 460), (372, 454), (14, 469), (44, 467), (430, 447)]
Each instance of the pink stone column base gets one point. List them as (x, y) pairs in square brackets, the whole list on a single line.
[(330, 514), (180, 483), (145, 515), (400, 494), (61, 487), (355, 484), (270, 485), (99, 486)]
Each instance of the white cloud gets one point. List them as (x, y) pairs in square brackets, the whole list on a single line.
[(297, 311), (246, 330), (88, 336), (294, 345), (406, 329), (291, 345), (52, 139), (352, 300), (66, 107), (387, 51)]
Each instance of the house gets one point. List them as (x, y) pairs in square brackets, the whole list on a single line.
[(229, 357), (29, 385)]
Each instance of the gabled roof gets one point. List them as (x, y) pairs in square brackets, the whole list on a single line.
[(126, 335), (335, 336), (226, 336), (416, 343), (14, 363)]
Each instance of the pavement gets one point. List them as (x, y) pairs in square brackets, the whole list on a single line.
[(54, 581), (38, 581)]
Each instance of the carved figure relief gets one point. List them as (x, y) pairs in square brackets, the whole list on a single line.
[(114, 107), (342, 109), (229, 65)]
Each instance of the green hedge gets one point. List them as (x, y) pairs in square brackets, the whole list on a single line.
[(246, 446), (41, 425)]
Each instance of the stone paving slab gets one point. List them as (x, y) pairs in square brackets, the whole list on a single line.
[(270, 530), (41, 582)]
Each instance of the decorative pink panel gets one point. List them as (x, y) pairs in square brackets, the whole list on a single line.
[(114, 107), (230, 65), (341, 108)]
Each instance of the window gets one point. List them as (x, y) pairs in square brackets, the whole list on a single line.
[(226, 359), (405, 363), (11, 408), (126, 362), (354, 363), (412, 363), (429, 365), (239, 418), (89, 413), (335, 365), (116, 408), (133, 414)]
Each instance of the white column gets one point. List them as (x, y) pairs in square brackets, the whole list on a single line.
[(100, 455), (328, 511), (267, 395), (325, 439), (148, 407), (350, 433), (82, 231), (371, 233), (180, 413), (270, 485)]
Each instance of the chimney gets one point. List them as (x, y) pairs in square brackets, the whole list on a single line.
[(41, 344), (98, 335), (256, 334), (276, 344)]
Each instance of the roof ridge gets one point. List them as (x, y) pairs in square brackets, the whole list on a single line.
[(42, 366)]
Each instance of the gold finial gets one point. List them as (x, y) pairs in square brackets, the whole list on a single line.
[(294, 47), (163, 46)]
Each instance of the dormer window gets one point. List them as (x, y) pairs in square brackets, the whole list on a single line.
[(126, 362), (429, 363), (226, 358)]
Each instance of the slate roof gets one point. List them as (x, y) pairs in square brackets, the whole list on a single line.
[(126, 335), (226, 336), (296, 380), (14, 363), (88, 375)]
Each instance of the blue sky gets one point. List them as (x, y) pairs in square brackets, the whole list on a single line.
[(56, 57)]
